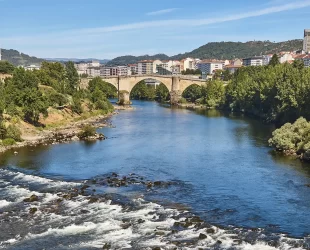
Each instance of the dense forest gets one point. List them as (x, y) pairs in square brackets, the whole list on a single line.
[(220, 50), (28, 95)]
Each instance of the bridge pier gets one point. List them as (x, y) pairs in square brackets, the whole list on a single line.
[(123, 98)]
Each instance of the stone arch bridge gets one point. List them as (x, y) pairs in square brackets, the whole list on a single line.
[(124, 84)]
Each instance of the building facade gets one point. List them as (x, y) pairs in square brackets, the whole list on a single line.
[(306, 40), (254, 61), (208, 67), (145, 67)]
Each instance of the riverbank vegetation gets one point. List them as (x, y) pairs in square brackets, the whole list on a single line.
[(48, 96), (293, 139)]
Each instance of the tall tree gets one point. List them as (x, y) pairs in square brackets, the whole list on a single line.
[(72, 77), (274, 60)]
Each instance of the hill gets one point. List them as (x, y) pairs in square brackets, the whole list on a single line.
[(17, 58), (102, 61), (230, 50), (124, 60), (220, 50)]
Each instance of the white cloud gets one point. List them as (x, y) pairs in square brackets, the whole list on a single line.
[(161, 12)]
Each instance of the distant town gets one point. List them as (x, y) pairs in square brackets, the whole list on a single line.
[(194, 67)]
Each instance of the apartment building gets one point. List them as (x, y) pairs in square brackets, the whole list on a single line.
[(114, 71), (306, 46), (132, 69), (169, 67), (188, 63), (208, 67), (254, 61), (145, 67)]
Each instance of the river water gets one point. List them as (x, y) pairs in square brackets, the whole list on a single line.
[(205, 163)]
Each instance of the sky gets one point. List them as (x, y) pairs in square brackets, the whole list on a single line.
[(105, 29)]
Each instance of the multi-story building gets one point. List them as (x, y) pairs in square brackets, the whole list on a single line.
[(306, 60), (306, 40), (168, 67), (114, 71), (254, 61), (188, 63), (93, 71), (145, 67), (208, 67), (132, 69), (81, 67)]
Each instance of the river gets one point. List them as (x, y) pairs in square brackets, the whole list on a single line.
[(208, 164)]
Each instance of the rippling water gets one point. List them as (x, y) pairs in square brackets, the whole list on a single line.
[(220, 167)]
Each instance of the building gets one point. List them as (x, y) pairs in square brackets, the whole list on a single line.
[(254, 61), (306, 60), (132, 69), (93, 71), (168, 67), (187, 63), (208, 67), (114, 71), (145, 67), (81, 67), (232, 68), (32, 67), (287, 57), (306, 46)]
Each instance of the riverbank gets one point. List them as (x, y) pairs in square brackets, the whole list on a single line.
[(64, 131)]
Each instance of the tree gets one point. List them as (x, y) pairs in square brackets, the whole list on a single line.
[(72, 77), (106, 88), (298, 64), (192, 93), (34, 104), (274, 60), (162, 93), (6, 67)]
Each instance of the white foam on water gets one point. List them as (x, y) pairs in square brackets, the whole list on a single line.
[(4, 203), (28, 178)]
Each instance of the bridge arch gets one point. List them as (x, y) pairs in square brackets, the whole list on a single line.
[(129, 84)]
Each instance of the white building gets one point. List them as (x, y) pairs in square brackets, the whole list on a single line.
[(32, 67), (188, 63), (208, 67), (254, 61), (81, 67), (306, 46), (287, 57), (169, 67)]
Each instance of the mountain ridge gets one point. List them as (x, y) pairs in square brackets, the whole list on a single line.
[(211, 50)]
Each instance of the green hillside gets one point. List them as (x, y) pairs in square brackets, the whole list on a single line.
[(230, 50), (124, 60), (17, 58), (220, 50)]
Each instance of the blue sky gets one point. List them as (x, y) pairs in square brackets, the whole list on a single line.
[(106, 29)]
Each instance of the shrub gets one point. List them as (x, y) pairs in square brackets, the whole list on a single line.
[(8, 142), (87, 131), (13, 132), (292, 137)]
